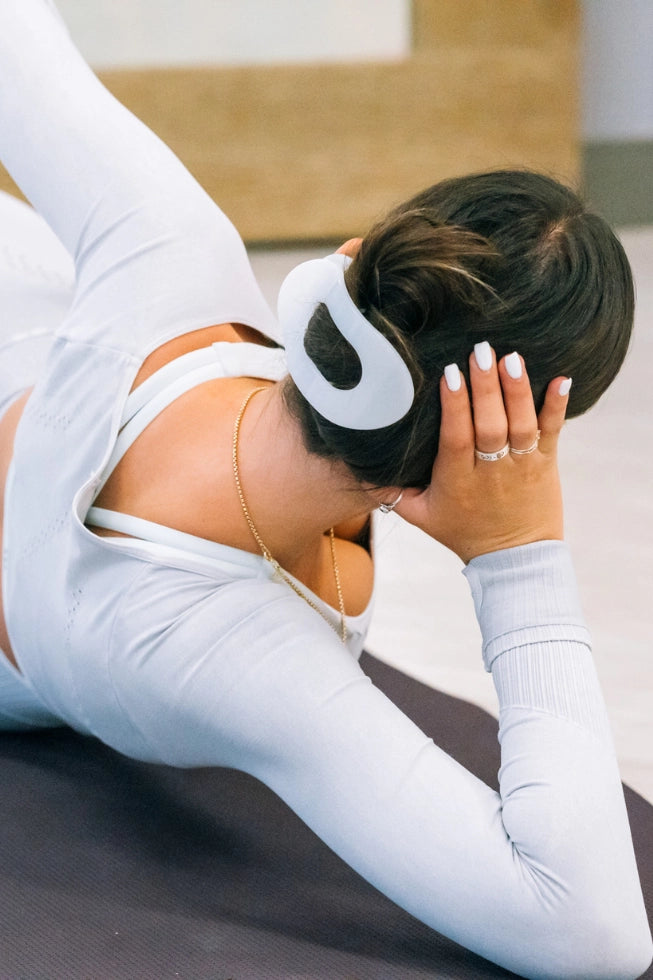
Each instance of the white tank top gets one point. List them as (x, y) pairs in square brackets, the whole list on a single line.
[(220, 360)]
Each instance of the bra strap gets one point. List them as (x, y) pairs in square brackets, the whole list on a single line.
[(165, 376)]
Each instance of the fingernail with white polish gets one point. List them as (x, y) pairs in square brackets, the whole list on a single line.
[(565, 386), (513, 365), (483, 355), (452, 377)]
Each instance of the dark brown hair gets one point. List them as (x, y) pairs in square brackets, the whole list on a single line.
[(512, 257)]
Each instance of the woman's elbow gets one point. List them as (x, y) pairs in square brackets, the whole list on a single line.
[(600, 950), (624, 957)]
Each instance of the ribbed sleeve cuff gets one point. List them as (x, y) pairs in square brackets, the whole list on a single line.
[(534, 640), (525, 595)]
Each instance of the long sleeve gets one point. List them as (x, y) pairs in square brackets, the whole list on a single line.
[(154, 255), (569, 809), (540, 878)]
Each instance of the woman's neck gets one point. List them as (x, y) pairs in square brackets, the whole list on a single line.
[(293, 496)]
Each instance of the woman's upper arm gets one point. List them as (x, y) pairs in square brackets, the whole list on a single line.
[(152, 252), (64, 138)]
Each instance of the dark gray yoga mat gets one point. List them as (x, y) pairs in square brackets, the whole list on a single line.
[(116, 870)]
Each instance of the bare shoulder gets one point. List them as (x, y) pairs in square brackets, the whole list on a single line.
[(178, 346)]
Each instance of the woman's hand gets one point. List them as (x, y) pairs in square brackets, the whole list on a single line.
[(474, 506)]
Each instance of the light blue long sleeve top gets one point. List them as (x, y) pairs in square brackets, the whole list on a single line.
[(167, 659)]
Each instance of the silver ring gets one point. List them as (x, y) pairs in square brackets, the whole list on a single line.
[(490, 457), (531, 449), (386, 508)]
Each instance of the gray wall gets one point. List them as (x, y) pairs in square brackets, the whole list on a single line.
[(617, 100)]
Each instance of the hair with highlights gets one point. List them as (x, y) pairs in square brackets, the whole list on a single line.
[(512, 257)]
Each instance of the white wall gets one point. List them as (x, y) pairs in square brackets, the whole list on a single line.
[(119, 33), (617, 70)]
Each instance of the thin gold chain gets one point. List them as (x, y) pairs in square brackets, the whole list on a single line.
[(265, 551)]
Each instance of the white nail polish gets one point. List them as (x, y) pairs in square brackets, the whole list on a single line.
[(513, 365), (483, 355), (565, 386), (452, 377)]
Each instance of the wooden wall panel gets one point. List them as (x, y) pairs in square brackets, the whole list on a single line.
[(319, 151)]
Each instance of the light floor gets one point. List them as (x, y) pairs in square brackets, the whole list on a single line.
[(424, 621)]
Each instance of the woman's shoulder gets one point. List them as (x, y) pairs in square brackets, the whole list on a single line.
[(196, 339)]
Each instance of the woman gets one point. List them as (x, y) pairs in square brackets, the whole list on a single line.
[(187, 571)]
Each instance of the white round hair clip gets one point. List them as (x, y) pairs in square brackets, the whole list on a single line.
[(385, 391)]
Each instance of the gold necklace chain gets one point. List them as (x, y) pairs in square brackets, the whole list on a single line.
[(265, 551)]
